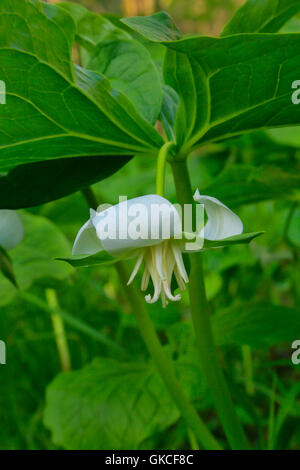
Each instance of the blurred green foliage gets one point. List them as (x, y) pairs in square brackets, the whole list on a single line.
[(254, 292)]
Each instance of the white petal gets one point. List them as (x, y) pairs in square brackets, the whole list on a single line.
[(136, 223), (87, 242), (136, 267), (222, 222), (93, 214), (11, 229)]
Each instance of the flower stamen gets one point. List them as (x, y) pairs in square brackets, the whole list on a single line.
[(161, 262)]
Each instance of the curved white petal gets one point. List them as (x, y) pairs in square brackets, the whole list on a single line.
[(222, 222), (136, 223), (87, 242), (11, 229)]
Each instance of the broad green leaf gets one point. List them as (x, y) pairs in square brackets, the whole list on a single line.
[(111, 51), (262, 16), (259, 325), (57, 109), (187, 78), (158, 27), (246, 184), (293, 26), (34, 258), (130, 69), (249, 79), (168, 111), (90, 27), (37, 183), (108, 405), (155, 49), (244, 238)]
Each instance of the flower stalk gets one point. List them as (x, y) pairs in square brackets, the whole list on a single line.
[(204, 336), (161, 167)]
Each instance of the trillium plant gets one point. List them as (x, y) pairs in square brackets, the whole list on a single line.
[(86, 93)]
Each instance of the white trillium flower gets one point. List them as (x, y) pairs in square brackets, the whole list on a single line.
[(150, 229), (11, 229)]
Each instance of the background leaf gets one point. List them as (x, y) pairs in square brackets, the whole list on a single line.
[(261, 16), (34, 258), (259, 325), (108, 404), (158, 27), (246, 184), (109, 50)]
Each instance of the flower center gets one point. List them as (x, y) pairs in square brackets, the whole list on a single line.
[(161, 262)]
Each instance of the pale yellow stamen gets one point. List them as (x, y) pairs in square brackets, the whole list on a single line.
[(161, 262)]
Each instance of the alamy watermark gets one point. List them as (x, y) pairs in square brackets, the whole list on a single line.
[(148, 219), (296, 94), (2, 352), (2, 92), (296, 354)]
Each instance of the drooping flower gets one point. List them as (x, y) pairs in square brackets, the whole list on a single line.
[(150, 229)]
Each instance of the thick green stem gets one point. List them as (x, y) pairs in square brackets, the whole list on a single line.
[(163, 364), (161, 167), (200, 314), (161, 361)]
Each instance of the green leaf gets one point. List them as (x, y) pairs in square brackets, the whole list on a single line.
[(111, 51), (129, 66), (242, 239), (6, 267), (293, 232), (98, 259), (55, 109), (90, 27), (34, 258), (168, 111), (33, 184), (246, 184), (287, 136), (259, 325), (248, 78), (187, 78), (108, 405), (262, 16), (158, 27)]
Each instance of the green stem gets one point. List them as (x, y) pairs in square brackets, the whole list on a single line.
[(200, 315), (163, 364), (90, 198), (161, 167), (161, 361), (59, 331), (248, 368)]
